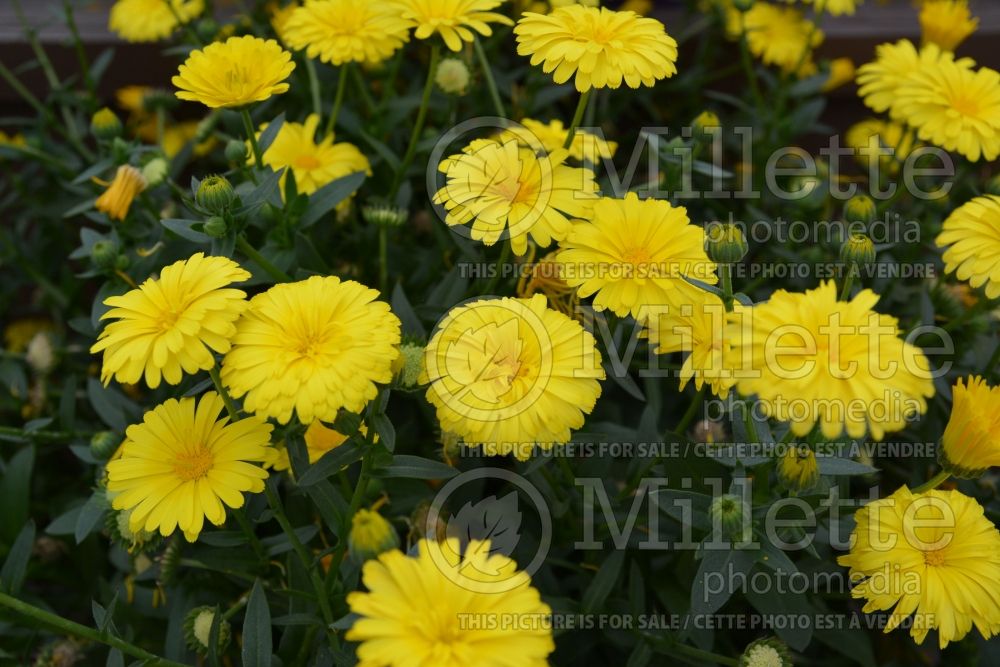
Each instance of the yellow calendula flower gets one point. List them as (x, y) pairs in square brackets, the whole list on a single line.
[(797, 469), (881, 81), (812, 359), (171, 325), (456, 21), (634, 255), (341, 31), (841, 73), (117, 199), (946, 22), (177, 136), (319, 439), (314, 164), (504, 188), (415, 610), (598, 48), (279, 15), (151, 20), (834, 7), (870, 138), (954, 107), (234, 73), (183, 465), (312, 347), (509, 374), (551, 136), (971, 239), (778, 36), (933, 555), (971, 441), (696, 327)]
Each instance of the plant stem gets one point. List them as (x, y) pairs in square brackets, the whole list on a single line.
[(726, 278), (933, 483), (226, 398), (383, 260), (418, 125), (81, 54), (314, 86), (338, 100), (501, 262), (581, 107), (41, 436), (747, 62), (277, 274), (366, 96), (491, 83), (252, 138), (71, 628), (845, 292), (706, 656), (356, 498), (692, 410)]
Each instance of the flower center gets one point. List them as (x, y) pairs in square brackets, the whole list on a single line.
[(934, 558), (966, 106), (194, 463), (636, 256), (307, 162)]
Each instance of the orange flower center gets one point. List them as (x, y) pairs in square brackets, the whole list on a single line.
[(934, 558), (307, 162), (194, 464)]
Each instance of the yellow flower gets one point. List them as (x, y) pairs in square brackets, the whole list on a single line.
[(810, 358), (170, 325), (117, 199), (797, 469), (881, 81), (508, 374), (873, 135), (314, 164), (177, 136), (841, 73), (182, 463), (971, 238), (234, 73), (419, 609), (600, 47), (834, 7), (454, 20), (11, 139), (312, 347), (946, 23), (954, 107), (319, 438), (698, 328), (505, 188), (552, 135), (778, 36), (279, 15), (132, 99), (634, 255), (341, 31), (931, 554), (545, 277), (971, 441), (151, 20)]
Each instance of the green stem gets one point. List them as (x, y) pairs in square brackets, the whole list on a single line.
[(314, 86), (81, 54), (383, 260), (706, 656), (226, 398), (748, 67), (692, 410), (75, 629), (42, 436), (362, 87), (338, 100), (491, 83), (359, 492), (501, 261), (581, 107), (845, 292), (277, 274), (933, 483), (726, 278), (255, 543), (252, 138), (418, 126)]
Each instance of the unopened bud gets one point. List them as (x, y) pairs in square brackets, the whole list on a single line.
[(215, 194), (725, 243), (104, 124)]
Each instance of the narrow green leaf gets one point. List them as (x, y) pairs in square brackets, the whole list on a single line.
[(16, 565), (257, 629), (603, 583), (415, 467)]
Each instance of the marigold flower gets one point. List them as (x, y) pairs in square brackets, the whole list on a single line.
[(505, 188), (551, 136), (946, 22), (123, 189), (971, 441), (842, 72), (397, 629), (812, 359), (182, 463), (507, 374), (634, 255), (311, 347), (170, 325), (971, 239), (455, 20), (341, 31), (151, 20), (601, 48), (234, 73), (931, 554)]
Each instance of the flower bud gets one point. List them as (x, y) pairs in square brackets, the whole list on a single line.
[(731, 514), (860, 208), (236, 151), (104, 253), (971, 443), (766, 652), (858, 250), (452, 76), (198, 630), (39, 353), (215, 194), (118, 523), (104, 124), (725, 243), (383, 214), (216, 227), (121, 262), (743, 5), (704, 120), (797, 469), (409, 364), (155, 171), (104, 444), (370, 535)]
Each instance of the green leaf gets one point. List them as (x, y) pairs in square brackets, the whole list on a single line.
[(327, 197), (15, 491), (404, 311), (603, 583), (727, 564), (16, 565), (385, 430), (257, 629), (270, 132), (415, 467), (331, 463), (90, 516), (831, 465), (183, 228), (106, 405)]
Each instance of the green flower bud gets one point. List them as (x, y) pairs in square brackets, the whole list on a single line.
[(236, 151), (198, 630), (766, 652), (215, 194), (118, 525), (797, 469), (155, 171), (104, 124), (705, 119), (122, 262), (725, 243), (370, 535), (730, 513), (858, 250), (382, 214), (104, 253), (743, 5), (216, 227), (409, 364), (104, 444), (452, 76), (860, 208)]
